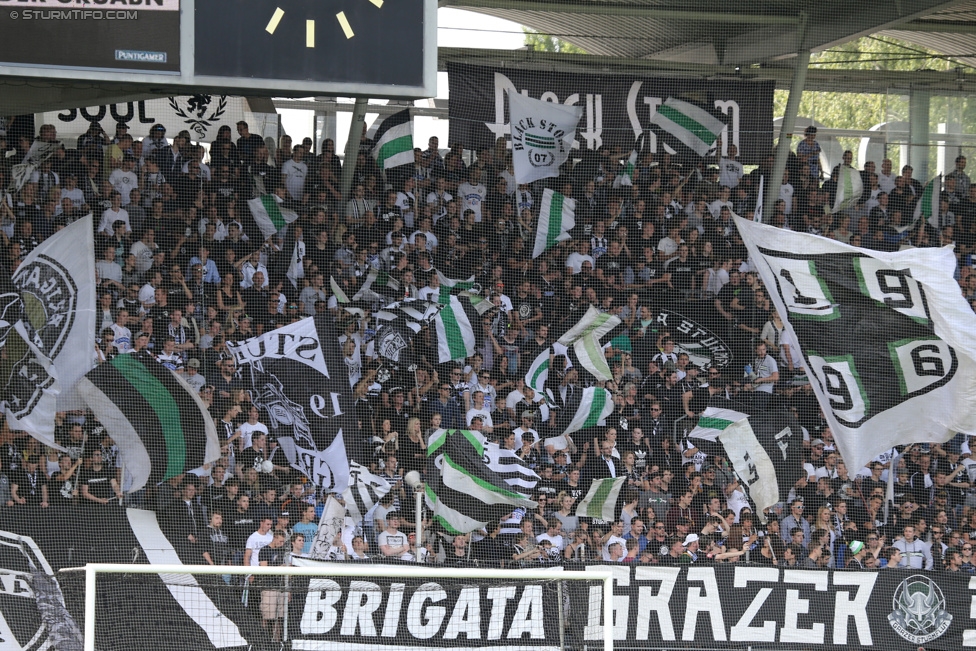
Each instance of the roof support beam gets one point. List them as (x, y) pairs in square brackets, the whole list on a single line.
[(936, 26), (625, 11)]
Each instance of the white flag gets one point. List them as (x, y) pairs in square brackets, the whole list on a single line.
[(849, 188), (585, 336), (888, 338), (556, 219), (330, 525), (542, 136), (47, 330)]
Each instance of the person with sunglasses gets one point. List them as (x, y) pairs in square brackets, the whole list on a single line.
[(794, 520)]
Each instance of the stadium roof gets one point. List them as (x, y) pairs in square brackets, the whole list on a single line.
[(735, 34)]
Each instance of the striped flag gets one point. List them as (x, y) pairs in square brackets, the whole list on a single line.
[(592, 405), (601, 500), (749, 442), (556, 219), (585, 340), (849, 188), (157, 420), (463, 493), (269, 215), (927, 207), (365, 490), (539, 371), (455, 336), (379, 286), (626, 178), (714, 421), (394, 141), (511, 467), (689, 124)]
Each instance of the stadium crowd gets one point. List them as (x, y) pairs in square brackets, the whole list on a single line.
[(177, 278)]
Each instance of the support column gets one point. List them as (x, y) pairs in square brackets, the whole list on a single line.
[(918, 133), (352, 145), (786, 132), (325, 126)]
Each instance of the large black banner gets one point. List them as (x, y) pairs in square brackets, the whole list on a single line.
[(616, 109), (697, 606)]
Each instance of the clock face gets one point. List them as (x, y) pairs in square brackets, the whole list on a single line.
[(342, 41)]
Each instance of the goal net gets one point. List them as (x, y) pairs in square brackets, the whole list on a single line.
[(326, 606)]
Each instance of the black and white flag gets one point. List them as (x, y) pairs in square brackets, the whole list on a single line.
[(888, 338), (298, 380), (47, 330), (364, 491)]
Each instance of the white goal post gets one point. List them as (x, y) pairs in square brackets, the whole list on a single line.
[(92, 570)]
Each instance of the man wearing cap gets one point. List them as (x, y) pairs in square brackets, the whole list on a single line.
[(156, 141), (858, 552), (526, 432), (690, 554)]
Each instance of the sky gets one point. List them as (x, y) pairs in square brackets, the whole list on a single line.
[(454, 29)]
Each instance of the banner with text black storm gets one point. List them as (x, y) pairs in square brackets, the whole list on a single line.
[(616, 108)]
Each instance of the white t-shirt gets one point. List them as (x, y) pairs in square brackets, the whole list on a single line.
[(294, 173), (575, 261), (256, 542), (730, 172), (247, 432), (394, 540), (610, 541), (786, 194), (109, 217), (124, 182), (472, 197)]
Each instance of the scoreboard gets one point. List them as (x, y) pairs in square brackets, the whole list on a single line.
[(379, 48)]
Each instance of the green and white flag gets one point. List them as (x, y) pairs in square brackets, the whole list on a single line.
[(592, 406), (927, 207), (714, 421), (585, 336), (749, 458), (556, 219), (691, 125), (849, 188), (394, 141), (269, 215), (539, 371), (463, 492), (542, 136), (601, 500), (455, 336), (626, 178), (378, 286)]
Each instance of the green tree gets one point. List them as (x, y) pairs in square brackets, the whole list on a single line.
[(545, 43), (864, 110)]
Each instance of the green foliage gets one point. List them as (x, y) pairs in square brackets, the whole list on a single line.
[(545, 43), (862, 111)]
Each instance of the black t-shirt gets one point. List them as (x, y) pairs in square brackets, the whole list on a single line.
[(239, 526), (274, 557), (251, 458), (29, 484), (99, 482)]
